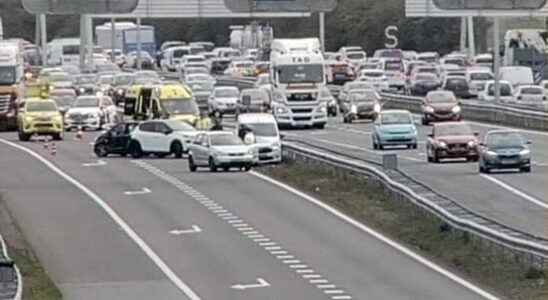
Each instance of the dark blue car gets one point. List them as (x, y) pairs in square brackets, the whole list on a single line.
[(504, 149)]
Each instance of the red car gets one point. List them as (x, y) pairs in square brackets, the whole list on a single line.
[(452, 140)]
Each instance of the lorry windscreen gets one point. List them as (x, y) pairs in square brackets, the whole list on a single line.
[(300, 73), (7, 75)]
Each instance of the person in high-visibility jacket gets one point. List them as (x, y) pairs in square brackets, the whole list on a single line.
[(204, 123)]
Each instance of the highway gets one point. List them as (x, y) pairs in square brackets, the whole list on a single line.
[(514, 199), (150, 229)]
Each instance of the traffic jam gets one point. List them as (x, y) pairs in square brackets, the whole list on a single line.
[(186, 100)]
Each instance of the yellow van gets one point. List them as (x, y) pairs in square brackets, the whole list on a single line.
[(170, 101)]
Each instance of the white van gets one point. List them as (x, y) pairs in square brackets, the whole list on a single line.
[(517, 75), (266, 135), (64, 51)]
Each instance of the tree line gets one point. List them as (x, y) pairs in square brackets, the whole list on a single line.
[(354, 22)]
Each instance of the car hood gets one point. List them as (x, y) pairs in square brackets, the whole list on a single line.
[(397, 128), (443, 106), (83, 110), (231, 149), (266, 140), (187, 118), (226, 100), (86, 86), (457, 139), (46, 114), (507, 150)]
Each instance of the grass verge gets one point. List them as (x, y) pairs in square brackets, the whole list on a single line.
[(367, 202), (36, 283)]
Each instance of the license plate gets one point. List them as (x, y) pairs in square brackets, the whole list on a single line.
[(508, 161)]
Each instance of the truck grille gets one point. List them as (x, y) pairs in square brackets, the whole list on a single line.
[(4, 103), (301, 110)]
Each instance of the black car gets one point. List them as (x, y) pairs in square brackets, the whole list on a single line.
[(114, 141), (458, 85), (423, 83), (504, 149)]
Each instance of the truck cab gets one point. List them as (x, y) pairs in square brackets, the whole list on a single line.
[(172, 101), (172, 57), (11, 83), (298, 74)]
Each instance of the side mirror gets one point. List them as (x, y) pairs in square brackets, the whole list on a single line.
[(476, 134), (528, 142), (282, 136), (168, 131), (431, 135)]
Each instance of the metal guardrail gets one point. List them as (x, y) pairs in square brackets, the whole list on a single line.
[(11, 281), (484, 112), (533, 248)]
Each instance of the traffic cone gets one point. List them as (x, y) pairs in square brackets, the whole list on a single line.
[(53, 150), (79, 134)]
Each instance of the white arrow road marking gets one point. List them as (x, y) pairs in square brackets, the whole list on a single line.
[(139, 192), (95, 164), (195, 229), (261, 283)]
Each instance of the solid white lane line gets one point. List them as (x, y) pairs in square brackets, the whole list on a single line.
[(515, 191), (380, 237), (180, 284)]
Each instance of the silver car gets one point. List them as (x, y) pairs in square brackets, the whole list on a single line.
[(216, 150)]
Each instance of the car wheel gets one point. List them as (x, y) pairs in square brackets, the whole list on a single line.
[(414, 146), (320, 126), (525, 169), (23, 136), (191, 165), (135, 150), (247, 168), (375, 146), (212, 166), (226, 169), (381, 147), (425, 121), (101, 150), (58, 136), (435, 157), (160, 155), (177, 149)]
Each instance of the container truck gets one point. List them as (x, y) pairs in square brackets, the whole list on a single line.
[(11, 83), (126, 37)]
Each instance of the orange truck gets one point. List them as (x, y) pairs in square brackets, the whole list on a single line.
[(11, 83)]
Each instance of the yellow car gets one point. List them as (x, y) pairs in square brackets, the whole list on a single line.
[(40, 117)]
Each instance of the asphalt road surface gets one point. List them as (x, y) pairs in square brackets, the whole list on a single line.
[(149, 229), (515, 199)]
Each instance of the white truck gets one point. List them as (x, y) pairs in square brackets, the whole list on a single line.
[(126, 37), (298, 73), (63, 51)]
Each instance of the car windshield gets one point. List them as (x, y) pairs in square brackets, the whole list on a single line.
[(428, 70), (532, 91), (41, 106), (358, 85), (456, 83), (393, 66), (180, 106), (198, 78), (441, 98), (372, 74), (481, 76), (86, 102), (179, 126), (355, 55), (453, 129), (7, 75), (504, 140), (146, 80), (313, 73), (370, 66), (105, 80), (245, 65), (505, 90), (364, 96), (226, 93), (59, 77), (63, 100), (263, 129), (426, 77), (396, 118), (86, 79), (225, 140), (455, 61), (123, 79)]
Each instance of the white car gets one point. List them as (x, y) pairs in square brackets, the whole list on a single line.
[(224, 99), (220, 149), (91, 112), (161, 138), (355, 58), (530, 95), (376, 78), (263, 82), (241, 68), (267, 142), (477, 78), (488, 92)]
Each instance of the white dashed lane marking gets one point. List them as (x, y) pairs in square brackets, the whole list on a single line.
[(245, 229)]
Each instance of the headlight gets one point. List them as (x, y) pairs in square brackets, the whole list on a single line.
[(442, 144), (377, 108), (250, 152), (525, 153), (456, 109), (354, 109), (322, 109), (429, 109), (29, 119), (491, 154), (472, 144), (120, 92), (281, 110), (332, 103), (82, 90)]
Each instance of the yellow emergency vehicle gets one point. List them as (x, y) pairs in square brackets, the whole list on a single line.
[(170, 101), (39, 116)]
